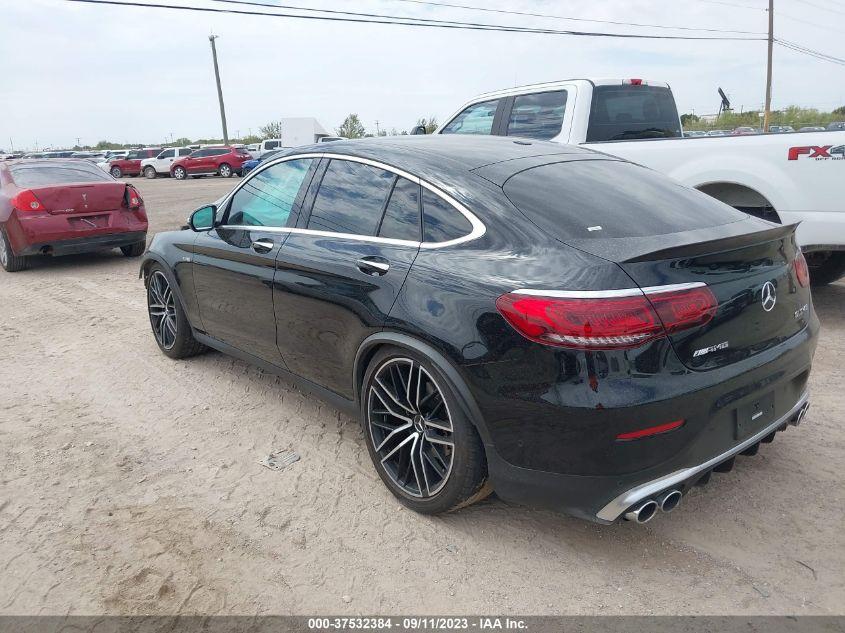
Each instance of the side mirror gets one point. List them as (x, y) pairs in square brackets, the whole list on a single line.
[(203, 218), (419, 129)]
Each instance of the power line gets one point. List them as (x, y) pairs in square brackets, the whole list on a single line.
[(398, 20), (823, 8), (809, 51), (562, 17), (733, 4), (781, 14)]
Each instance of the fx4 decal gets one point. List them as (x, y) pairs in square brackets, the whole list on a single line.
[(818, 152)]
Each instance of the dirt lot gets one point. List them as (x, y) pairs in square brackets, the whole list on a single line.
[(130, 484)]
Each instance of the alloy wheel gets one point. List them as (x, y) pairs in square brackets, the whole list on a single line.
[(179, 173), (4, 253), (225, 171), (410, 427), (162, 307)]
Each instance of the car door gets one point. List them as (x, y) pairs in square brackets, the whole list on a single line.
[(164, 160), (338, 277), (198, 162), (234, 263)]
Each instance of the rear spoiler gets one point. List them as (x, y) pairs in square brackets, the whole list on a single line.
[(728, 237)]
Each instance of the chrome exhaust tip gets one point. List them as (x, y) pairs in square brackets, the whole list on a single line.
[(800, 417), (642, 513), (669, 500)]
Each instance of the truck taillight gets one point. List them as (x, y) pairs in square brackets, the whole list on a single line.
[(132, 198), (606, 322), (634, 82), (802, 273), (27, 202)]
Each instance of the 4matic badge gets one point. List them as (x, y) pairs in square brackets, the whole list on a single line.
[(818, 152)]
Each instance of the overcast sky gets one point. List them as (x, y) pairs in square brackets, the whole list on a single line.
[(138, 75)]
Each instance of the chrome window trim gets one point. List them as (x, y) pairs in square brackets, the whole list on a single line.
[(615, 508), (608, 294), (478, 227)]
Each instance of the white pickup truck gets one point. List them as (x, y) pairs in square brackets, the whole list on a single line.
[(785, 178)]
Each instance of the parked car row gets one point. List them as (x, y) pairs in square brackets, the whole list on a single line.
[(773, 129)]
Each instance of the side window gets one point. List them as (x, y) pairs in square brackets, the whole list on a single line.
[(350, 198), (271, 144), (401, 219), (219, 152), (185, 151), (168, 153), (537, 116), (476, 119), (441, 221), (267, 199), (199, 153)]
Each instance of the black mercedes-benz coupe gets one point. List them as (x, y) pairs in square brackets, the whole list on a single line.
[(566, 328)]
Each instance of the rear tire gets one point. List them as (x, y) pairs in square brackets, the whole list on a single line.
[(150, 172), (134, 250), (225, 170), (170, 326), (429, 477), (11, 263), (116, 172), (825, 267)]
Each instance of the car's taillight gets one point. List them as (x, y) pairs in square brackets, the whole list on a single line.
[(132, 198), (613, 322), (27, 202), (802, 273)]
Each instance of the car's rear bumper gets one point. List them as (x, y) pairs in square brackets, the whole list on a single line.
[(75, 233), (606, 498), (85, 244)]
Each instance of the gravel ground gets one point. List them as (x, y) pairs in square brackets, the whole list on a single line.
[(130, 484)]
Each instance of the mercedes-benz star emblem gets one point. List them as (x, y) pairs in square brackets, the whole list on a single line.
[(769, 296)]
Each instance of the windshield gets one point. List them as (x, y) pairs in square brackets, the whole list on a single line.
[(628, 112)]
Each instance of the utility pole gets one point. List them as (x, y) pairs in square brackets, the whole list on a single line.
[(378, 132), (211, 39), (767, 110)]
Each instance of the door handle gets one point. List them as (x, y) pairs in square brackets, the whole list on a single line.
[(377, 266), (263, 245)]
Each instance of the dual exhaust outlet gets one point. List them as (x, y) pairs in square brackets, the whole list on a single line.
[(645, 510)]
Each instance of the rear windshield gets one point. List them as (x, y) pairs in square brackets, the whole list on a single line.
[(632, 112), (42, 175), (606, 198)]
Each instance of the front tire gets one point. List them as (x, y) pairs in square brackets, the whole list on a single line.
[(423, 447), (11, 263), (225, 170), (825, 267), (179, 173), (116, 172), (171, 329), (134, 250), (150, 172)]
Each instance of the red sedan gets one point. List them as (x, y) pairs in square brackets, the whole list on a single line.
[(210, 161), (65, 206)]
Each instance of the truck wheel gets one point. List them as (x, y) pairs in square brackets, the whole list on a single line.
[(116, 171), (11, 263), (179, 173), (150, 172), (825, 266), (225, 170)]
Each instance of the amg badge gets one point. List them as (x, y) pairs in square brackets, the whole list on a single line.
[(712, 348)]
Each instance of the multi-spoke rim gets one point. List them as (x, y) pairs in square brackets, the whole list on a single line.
[(4, 255), (410, 427), (179, 173), (162, 307), (225, 171)]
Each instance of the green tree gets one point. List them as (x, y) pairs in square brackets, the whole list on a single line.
[(839, 111), (351, 127), (430, 123), (272, 130), (686, 119)]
